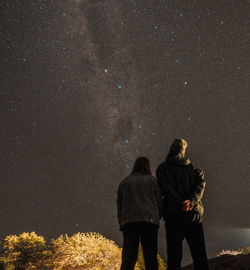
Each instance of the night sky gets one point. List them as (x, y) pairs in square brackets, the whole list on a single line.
[(87, 86)]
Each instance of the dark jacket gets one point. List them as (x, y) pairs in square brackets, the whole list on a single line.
[(139, 200), (180, 180)]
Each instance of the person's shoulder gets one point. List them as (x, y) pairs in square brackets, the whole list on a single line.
[(197, 169), (161, 166), (125, 180), (147, 179)]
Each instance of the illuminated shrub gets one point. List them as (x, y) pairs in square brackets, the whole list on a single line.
[(229, 252), (245, 250), (26, 251), (91, 251), (140, 261), (86, 251)]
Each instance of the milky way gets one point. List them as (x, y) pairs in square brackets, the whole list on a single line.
[(88, 86)]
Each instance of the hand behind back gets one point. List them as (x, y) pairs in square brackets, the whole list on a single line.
[(187, 206)]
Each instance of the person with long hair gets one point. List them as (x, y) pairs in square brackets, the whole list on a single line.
[(139, 212)]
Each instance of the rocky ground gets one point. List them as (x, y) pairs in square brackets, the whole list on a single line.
[(227, 262)]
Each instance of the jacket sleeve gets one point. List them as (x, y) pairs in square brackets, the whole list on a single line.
[(160, 179), (158, 196), (199, 187), (119, 204)]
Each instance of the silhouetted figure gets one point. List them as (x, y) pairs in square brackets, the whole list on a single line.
[(138, 203), (182, 186)]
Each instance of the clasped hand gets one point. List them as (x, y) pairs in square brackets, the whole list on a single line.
[(186, 206)]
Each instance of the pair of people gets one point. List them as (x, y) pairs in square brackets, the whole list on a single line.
[(176, 195)]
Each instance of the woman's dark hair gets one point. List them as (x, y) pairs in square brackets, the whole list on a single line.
[(141, 165)]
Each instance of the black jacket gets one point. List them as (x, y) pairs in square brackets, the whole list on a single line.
[(180, 180), (139, 200)]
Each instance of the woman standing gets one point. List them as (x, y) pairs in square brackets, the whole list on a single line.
[(139, 212)]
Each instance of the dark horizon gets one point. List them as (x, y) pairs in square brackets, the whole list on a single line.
[(86, 87)]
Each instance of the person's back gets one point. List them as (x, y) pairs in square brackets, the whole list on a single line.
[(138, 205), (139, 199), (180, 180), (182, 186)]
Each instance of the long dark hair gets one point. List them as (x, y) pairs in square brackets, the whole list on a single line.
[(142, 166)]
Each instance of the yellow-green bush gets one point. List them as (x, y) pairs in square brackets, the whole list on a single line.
[(86, 251), (140, 261), (91, 251), (26, 251)]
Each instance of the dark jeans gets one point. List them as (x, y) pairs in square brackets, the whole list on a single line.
[(193, 232), (132, 234)]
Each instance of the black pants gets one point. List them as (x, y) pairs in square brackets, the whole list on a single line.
[(193, 232), (132, 234)]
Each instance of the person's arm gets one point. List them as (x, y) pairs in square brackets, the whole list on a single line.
[(119, 204), (160, 179), (158, 196), (199, 187)]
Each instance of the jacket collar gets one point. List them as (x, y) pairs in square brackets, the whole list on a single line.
[(178, 160)]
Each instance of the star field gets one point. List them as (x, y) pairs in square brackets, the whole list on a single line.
[(88, 86)]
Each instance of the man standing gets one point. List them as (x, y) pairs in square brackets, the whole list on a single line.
[(182, 186)]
